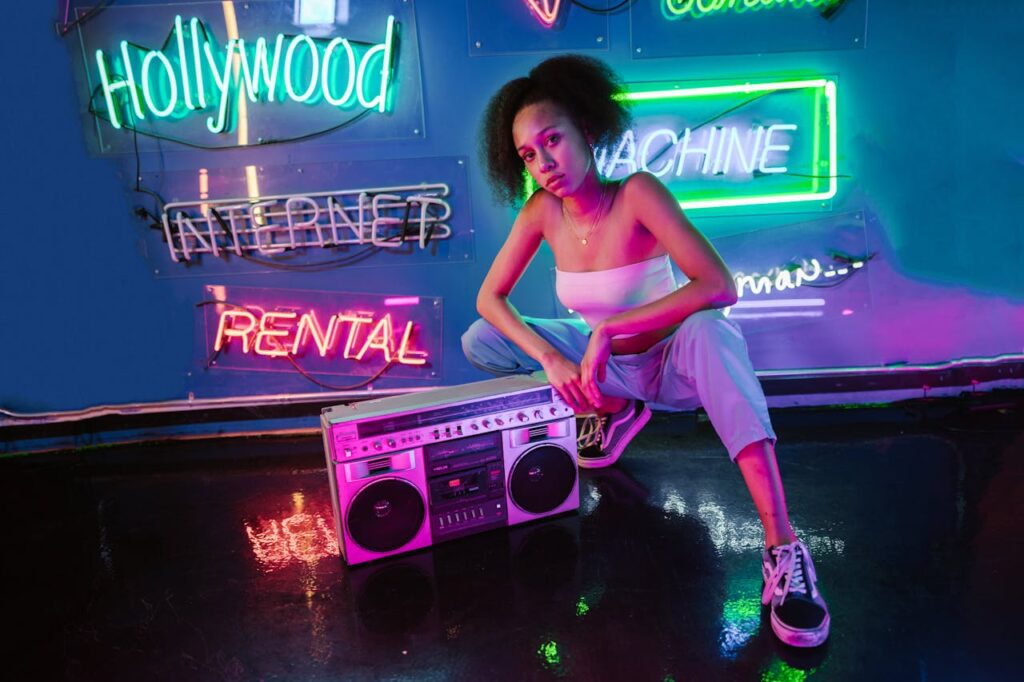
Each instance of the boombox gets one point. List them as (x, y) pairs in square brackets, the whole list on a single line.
[(409, 471)]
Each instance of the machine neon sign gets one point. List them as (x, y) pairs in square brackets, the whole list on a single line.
[(701, 8), (289, 334), (187, 74), (739, 154)]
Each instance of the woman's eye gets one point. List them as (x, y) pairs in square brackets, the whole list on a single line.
[(528, 156), (554, 139)]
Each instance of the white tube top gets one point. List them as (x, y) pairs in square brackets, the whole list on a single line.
[(599, 294)]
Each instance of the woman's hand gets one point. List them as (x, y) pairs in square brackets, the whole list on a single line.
[(594, 364), (564, 375)]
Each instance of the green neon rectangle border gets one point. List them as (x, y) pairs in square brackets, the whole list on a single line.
[(825, 85)]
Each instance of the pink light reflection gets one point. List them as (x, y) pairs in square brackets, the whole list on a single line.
[(300, 538)]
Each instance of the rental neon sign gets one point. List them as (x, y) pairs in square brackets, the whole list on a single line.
[(701, 8), (736, 145), (190, 74), (289, 333)]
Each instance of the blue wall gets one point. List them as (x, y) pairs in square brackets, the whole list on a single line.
[(929, 133)]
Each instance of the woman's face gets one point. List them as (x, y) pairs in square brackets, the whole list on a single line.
[(554, 149)]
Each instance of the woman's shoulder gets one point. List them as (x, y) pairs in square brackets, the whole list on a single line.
[(540, 206), (642, 183)]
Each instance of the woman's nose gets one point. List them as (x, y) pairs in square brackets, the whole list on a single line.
[(546, 161)]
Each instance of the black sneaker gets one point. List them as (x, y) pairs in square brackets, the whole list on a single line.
[(799, 614), (601, 439)]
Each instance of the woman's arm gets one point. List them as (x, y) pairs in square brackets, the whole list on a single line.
[(493, 305), (710, 286)]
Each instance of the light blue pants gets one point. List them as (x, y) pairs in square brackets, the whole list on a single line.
[(704, 362)]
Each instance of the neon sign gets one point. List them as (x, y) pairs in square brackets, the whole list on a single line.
[(189, 74), (784, 278), (385, 217), (546, 11), (675, 9), (718, 150), (321, 332), (748, 144), (287, 333)]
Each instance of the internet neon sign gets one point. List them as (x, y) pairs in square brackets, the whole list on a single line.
[(188, 75), (701, 8)]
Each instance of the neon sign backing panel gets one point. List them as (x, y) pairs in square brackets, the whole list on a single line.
[(733, 146), (311, 217), (686, 28), (221, 75), (321, 333)]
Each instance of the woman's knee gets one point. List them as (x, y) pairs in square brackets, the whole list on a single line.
[(705, 322), (478, 335)]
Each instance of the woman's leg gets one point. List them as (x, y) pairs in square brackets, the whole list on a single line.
[(761, 473), (708, 356)]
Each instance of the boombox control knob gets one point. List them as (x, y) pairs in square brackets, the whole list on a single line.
[(537, 414), (554, 410), (499, 421), (486, 423), (376, 445), (522, 417), (391, 442)]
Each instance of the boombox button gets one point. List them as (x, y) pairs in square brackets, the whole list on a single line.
[(391, 442), (474, 426), (499, 421), (486, 423), (376, 445), (522, 417)]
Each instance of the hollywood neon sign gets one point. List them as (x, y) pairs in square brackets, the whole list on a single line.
[(291, 334), (384, 217), (697, 9), (188, 74)]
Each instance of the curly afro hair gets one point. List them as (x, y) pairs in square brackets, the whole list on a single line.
[(584, 87)]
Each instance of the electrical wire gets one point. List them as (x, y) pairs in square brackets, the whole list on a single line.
[(263, 143), (598, 10), (66, 28)]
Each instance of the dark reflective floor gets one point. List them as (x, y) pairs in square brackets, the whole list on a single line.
[(216, 560)]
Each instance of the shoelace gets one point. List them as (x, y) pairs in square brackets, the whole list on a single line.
[(591, 432), (790, 562)]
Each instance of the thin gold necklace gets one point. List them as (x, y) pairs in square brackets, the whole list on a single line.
[(593, 223)]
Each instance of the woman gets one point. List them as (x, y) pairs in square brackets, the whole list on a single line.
[(641, 339)]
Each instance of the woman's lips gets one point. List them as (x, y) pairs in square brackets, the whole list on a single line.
[(555, 180)]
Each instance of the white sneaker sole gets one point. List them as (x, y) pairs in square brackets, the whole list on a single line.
[(612, 457), (801, 638)]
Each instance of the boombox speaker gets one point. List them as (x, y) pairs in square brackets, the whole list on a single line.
[(409, 471)]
